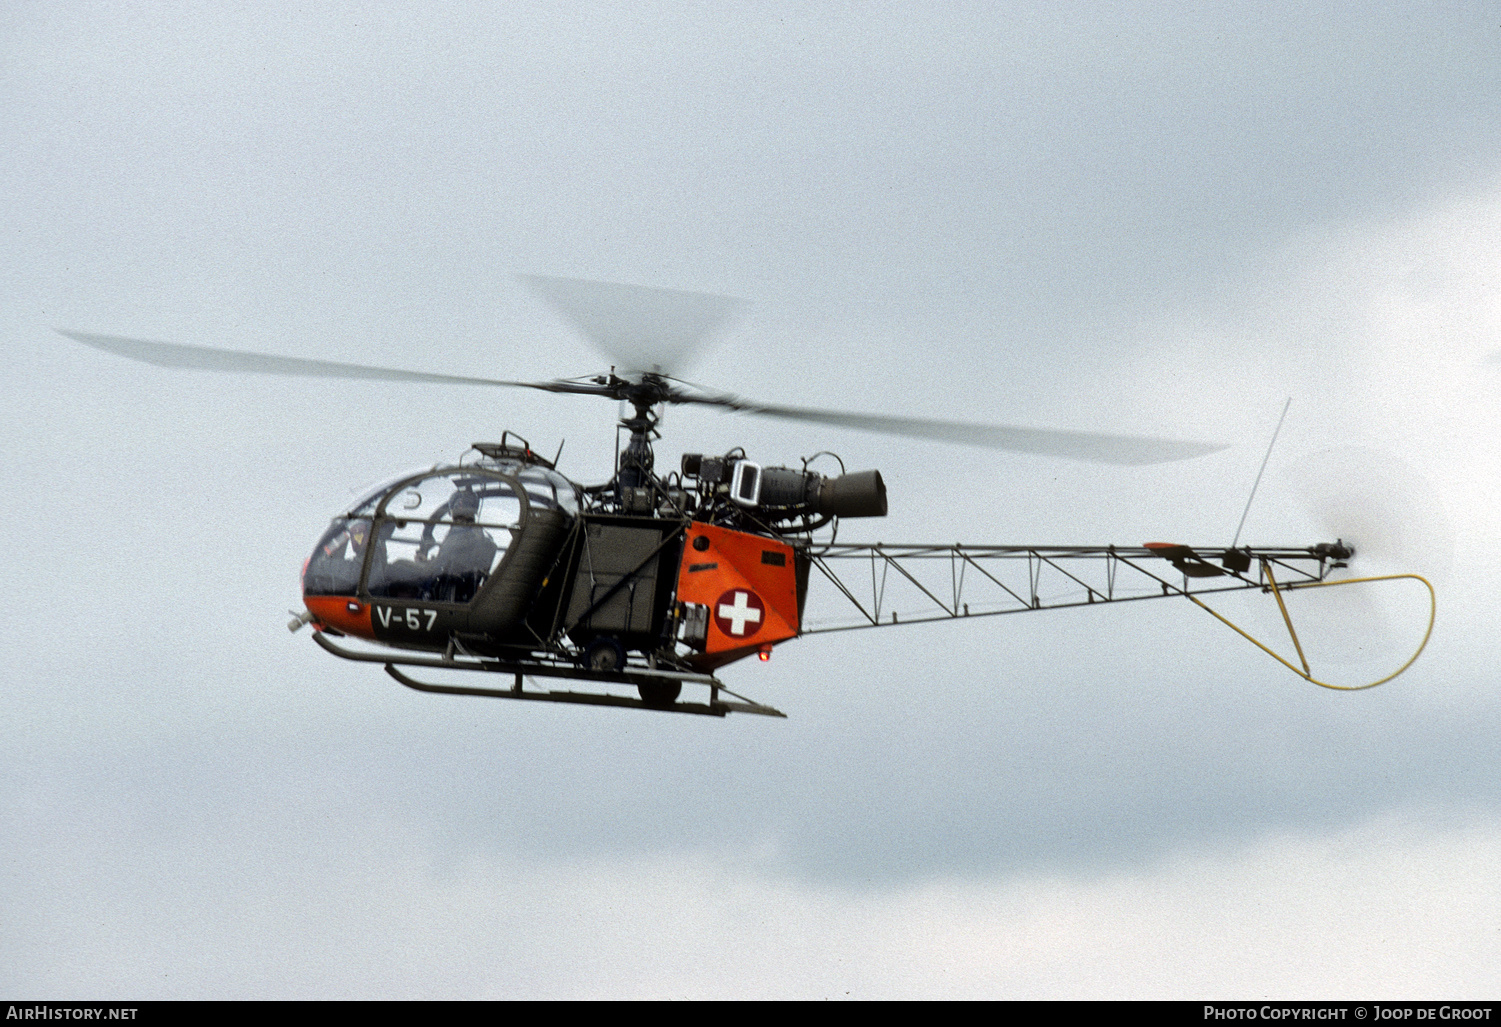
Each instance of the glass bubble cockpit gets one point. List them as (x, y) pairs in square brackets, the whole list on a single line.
[(473, 535)]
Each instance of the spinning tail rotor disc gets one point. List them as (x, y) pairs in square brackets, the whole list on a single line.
[(1392, 517), (1382, 505)]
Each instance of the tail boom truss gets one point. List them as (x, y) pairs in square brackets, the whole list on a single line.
[(988, 581)]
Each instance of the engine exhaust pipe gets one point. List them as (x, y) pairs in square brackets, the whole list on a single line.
[(862, 494)]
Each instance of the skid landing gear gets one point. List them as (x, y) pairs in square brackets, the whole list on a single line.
[(665, 684)]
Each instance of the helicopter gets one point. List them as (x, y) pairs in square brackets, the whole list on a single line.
[(499, 564)]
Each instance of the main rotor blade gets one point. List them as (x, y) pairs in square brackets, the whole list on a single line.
[(204, 358), (1074, 445), (1077, 445), (640, 328)]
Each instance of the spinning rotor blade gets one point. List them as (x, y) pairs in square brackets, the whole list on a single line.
[(1074, 445), (641, 329), (1386, 509), (1396, 523), (204, 358)]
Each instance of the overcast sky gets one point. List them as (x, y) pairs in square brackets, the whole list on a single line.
[(1158, 219)]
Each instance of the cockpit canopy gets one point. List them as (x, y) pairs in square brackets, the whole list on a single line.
[(436, 536)]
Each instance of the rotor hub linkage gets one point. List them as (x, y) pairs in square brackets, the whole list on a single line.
[(638, 460)]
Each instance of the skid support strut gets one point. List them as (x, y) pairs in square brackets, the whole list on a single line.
[(630, 675)]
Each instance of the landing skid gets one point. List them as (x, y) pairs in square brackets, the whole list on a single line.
[(715, 707)]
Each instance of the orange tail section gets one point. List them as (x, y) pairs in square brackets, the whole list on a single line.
[(749, 584)]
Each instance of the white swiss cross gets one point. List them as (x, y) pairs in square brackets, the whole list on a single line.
[(739, 613)]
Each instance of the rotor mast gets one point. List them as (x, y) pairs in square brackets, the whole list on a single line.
[(638, 460)]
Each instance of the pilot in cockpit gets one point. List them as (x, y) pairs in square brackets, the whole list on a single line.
[(464, 556)]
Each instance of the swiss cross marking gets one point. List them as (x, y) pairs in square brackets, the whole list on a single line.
[(739, 613)]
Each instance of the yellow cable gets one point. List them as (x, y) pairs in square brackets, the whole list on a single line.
[(1432, 614)]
